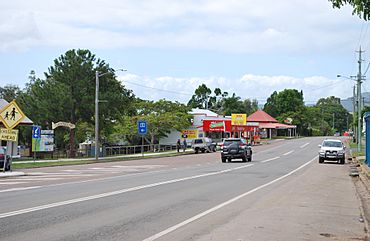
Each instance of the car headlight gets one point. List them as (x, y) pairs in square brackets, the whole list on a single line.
[(341, 151), (322, 152)]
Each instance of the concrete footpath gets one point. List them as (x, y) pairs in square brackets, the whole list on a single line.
[(320, 204)]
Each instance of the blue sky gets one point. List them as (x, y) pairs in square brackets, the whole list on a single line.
[(169, 47)]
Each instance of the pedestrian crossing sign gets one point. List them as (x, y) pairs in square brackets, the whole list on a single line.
[(11, 115)]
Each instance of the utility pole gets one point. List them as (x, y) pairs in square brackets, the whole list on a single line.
[(354, 131), (333, 120), (359, 99)]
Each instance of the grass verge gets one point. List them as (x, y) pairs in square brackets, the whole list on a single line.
[(16, 165)]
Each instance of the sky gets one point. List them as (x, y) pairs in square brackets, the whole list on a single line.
[(169, 47)]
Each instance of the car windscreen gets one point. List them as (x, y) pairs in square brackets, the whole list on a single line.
[(332, 144), (229, 142), (198, 141)]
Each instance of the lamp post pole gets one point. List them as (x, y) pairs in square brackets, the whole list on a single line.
[(97, 115), (97, 75)]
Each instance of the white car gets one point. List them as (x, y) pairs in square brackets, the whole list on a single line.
[(203, 144), (332, 149)]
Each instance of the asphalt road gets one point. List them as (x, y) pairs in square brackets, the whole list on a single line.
[(283, 194)]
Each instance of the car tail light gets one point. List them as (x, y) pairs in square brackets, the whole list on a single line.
[(241, 144)]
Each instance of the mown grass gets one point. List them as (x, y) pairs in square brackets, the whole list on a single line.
[(47, 164)]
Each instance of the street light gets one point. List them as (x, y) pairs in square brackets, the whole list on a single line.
[(97, 75), (359, 79)]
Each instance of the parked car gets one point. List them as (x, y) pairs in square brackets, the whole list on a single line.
[(2, 153), (203, 144), (220, 144), (332, 149), (2, 158), (236, 148)]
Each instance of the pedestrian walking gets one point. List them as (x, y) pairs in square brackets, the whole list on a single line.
[(178, 145), (185, 145)]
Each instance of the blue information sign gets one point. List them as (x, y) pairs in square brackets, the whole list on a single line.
[(142, 127), (36, 132)]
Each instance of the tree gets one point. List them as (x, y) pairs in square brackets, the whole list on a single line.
[(68, 94), (250, 106), (201, 97), (360, 7), (333, 113), (9, 92), (271, 105), (288, 100), (162, 117)]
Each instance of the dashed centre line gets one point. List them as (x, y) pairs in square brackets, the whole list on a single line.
[(289, 152), (303, 146), (271, 159)]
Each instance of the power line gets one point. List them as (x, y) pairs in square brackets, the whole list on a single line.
[(159, 89), (360, 38), (258, 99)]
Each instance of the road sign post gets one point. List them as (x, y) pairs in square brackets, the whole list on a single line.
[(142, 129), (11, 115), (36, 138)]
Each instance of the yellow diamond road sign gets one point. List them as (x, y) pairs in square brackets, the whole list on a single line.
[(11, 115)]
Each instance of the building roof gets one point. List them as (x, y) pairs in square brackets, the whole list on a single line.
[(207, 113), (276, 126), (261, 116), (25, 121)]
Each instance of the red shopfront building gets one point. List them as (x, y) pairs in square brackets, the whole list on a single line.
[(250, 131)]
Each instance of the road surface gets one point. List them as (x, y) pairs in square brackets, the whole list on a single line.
[(283, 194)]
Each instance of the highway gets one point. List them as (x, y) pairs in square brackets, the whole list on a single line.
[(283, 194)]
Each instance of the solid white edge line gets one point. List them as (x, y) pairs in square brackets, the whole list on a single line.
[(196, 217), (18, 189), (108, 194), (271, 159), (289, 152)]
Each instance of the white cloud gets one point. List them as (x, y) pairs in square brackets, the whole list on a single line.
[(248, 86), (18, 31), (227, 26)]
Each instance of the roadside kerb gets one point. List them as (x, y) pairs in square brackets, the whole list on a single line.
[(11, 174)]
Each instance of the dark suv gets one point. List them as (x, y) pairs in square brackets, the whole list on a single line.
[(236, 148)]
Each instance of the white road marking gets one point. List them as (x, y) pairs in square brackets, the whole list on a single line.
[(52, 174), (99, 179), (271, 159), (289, 152), (19, 189), (108, 194), (58, 175), (303, 146), (11, 183), (36, 179), (196, 217)]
